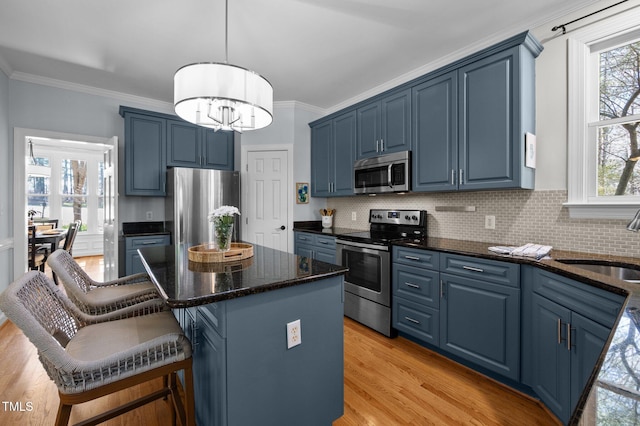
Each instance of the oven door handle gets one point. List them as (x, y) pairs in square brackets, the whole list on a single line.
[(362, 245)]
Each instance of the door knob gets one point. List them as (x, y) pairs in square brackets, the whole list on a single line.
[(282, 228)]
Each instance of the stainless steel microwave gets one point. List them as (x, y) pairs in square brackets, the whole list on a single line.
[(384, 173)]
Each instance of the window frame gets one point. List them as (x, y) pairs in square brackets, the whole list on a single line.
[(581, 102)]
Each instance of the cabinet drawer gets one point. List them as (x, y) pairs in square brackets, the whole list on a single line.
[(418, 285), (134, 243), (324, 241), (594, 303), (415, 257), (304, 237), (416, 320), (485, 269)]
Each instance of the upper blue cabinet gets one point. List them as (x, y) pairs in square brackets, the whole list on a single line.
[(470, 121), (465, 123), (155, 141), (332, 146), (384, 125)]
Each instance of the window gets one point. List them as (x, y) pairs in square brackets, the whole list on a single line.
[(604, 119), (66, 184)]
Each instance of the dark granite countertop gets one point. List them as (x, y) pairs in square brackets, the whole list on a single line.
[(618, 369), (184, 283), (315, 227)]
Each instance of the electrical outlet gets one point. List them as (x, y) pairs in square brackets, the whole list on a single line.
[(294, 334), (489, 222), (353, 216), (149, 215)]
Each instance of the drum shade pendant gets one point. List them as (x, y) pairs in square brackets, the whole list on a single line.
[(222, 96)]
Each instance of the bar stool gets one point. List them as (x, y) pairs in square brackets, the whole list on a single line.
[(88, 357)]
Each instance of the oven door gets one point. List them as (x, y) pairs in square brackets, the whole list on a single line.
[(369, 273)]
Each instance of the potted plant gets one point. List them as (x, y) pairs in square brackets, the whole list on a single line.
[(30, 215)]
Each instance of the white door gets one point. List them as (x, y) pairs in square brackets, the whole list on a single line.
[(266, 219), (110, 203)]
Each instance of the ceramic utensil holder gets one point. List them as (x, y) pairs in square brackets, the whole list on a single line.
[(327, 221)]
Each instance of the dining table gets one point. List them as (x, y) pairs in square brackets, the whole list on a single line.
[(52, 237)]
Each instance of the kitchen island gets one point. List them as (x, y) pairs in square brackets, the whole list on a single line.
[(236, 315)]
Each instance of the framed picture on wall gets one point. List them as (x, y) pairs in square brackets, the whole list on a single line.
[(302, 193)]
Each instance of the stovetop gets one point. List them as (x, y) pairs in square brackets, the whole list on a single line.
[(387, 226)]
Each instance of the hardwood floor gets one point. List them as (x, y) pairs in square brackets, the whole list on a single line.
[(387, 382)]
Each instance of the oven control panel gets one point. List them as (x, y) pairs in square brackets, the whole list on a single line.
[(398, 217)]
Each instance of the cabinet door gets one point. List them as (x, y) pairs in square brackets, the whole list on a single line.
[(133, 264), (587, 341), (183, 144), (344, 138), (304, 250), (480, 322), (321, 159), (395, 122), (325, 256), (435, 141), (145, 160), (487, 107), (551, 360), (217, 150), (209, 361), (368, 139)]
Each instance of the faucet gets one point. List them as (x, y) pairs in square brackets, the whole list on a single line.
[(634, 225)]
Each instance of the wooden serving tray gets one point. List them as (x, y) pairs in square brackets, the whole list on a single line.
[(205, 253)]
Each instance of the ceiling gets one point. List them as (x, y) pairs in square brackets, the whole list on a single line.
[(318, 52)]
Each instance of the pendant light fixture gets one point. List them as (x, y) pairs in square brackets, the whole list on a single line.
[(222, 96)]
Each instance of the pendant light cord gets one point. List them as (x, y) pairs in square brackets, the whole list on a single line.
[(226, 31)]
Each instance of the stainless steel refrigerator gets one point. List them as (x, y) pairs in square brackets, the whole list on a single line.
[(194, 193)]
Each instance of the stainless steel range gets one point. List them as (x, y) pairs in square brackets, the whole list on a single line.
[(368, 256)]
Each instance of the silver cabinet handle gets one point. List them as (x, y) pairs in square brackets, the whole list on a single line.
[(412, 285), (377, 145), (381, 145), (389, 177), (323, 242), (569, 336), (471, 268), (461, 180), (560, 339), (453, 177), (412, 320), (411, 257), (441, 289)]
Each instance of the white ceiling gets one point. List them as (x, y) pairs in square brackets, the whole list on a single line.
[(318, 52)]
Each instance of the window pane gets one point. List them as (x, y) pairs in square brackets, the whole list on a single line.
[(74, 208), (617, 158), (74, 177), (100, 190), (618, 98), (39, 204)]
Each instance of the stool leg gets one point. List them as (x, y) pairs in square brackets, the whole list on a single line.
[(64, 412)]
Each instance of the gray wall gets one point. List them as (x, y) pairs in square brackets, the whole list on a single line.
[(6, 230)]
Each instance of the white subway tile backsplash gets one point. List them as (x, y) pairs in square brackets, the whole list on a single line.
[(521, 217)]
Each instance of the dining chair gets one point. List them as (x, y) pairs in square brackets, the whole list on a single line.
[(37, 253), (72, 231), (88, 357), (95, 298)]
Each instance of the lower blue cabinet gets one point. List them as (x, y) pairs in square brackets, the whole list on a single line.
[(315, 246), (480, 322)]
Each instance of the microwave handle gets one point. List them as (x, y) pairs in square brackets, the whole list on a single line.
[(389, 174)]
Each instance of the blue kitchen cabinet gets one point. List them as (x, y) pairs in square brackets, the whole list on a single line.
[(194, 146), (217, 149), (144, 157), (416, 293), (315, 246), (496, 107), (480, 312), (435, 129), (133, 264), (465, 306), (469, 123), (384, 125), (564, 337), (332, 147)]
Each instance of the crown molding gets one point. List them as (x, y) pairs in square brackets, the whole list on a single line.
[(5, 67)]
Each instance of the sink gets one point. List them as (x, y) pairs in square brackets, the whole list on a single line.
[(625, 272)]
